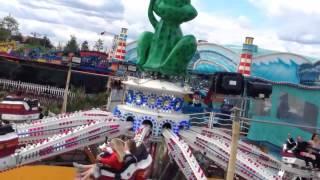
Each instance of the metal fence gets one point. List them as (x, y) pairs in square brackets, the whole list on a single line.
[(31, 88)]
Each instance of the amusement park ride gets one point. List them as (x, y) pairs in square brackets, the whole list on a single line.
[(19, 109), (152, 110)]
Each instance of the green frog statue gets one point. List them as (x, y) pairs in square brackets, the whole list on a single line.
[(167, 51)]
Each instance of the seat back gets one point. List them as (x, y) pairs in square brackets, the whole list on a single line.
[(141, 153), (128, 160), (6, 129)]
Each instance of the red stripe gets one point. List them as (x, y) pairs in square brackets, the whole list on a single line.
[(18, 112), (247, 56), (244, 72), (245, 64)]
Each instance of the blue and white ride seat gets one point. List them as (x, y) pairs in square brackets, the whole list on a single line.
[(131, 167)]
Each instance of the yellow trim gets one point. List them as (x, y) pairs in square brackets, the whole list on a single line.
[(39, 173)]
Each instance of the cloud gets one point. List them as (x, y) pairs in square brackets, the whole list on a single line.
[(295, 20), (60, 19), (291, 25), (280, 7)]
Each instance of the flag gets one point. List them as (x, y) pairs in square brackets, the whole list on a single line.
[(102, 33)]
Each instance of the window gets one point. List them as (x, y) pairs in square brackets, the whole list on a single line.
[(297, 111), (261, 107)]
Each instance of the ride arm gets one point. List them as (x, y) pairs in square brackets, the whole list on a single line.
[(151, 16)]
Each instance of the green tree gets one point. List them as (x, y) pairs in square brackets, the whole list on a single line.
[(17, 37), (83, 101), (85, 46), (11, 24), (46, 42), (4, 34), (71, 46), (98, 45)]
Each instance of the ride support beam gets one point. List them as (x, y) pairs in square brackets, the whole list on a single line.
[(234, 144), (66, 90)]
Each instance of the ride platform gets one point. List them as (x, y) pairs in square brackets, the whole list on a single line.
[(39, 172)]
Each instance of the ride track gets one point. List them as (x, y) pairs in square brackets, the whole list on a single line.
[(56, 135)]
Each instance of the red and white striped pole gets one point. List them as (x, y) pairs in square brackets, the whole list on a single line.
[(246, 57)]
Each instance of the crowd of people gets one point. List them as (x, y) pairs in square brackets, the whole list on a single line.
[(115, 157), (309, 151)]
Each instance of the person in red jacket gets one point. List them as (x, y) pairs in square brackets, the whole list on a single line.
[(114, 160)]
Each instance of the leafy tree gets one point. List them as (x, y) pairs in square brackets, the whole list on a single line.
[(17, 37), (11, 24), (39, 42), (85, 46), (71, 46), (4, 34), (83, 101), (99, 45), (46, 42)]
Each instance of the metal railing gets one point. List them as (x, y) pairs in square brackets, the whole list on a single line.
[(218, 120)]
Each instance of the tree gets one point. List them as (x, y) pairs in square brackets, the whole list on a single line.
[(46, 42), (85, 46), (59, 47), (4, 34), (83, 101), (11, 24), (17, 37), (71, 46), (99, 45)]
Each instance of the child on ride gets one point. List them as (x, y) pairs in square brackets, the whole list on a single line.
[(114, 160), (139, 153)]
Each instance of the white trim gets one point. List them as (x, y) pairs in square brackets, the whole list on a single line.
[(157, 85), (159, 115), (18, 117), (13, 102), (127, 174), (8, 137)]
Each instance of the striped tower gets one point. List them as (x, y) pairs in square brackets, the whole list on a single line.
[(113, 48), (246, 57), (120, 51)]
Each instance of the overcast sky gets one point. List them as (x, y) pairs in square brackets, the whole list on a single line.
[(283, 25)]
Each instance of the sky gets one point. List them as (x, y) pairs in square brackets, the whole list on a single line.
[(282, 25)]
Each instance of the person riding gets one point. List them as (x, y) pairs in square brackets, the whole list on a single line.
[(303, 150), (315, 141), (315, 148), (114, 161), (139, 153), (291, 143)]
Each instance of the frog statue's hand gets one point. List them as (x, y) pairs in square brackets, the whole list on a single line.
[(151, 16)]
